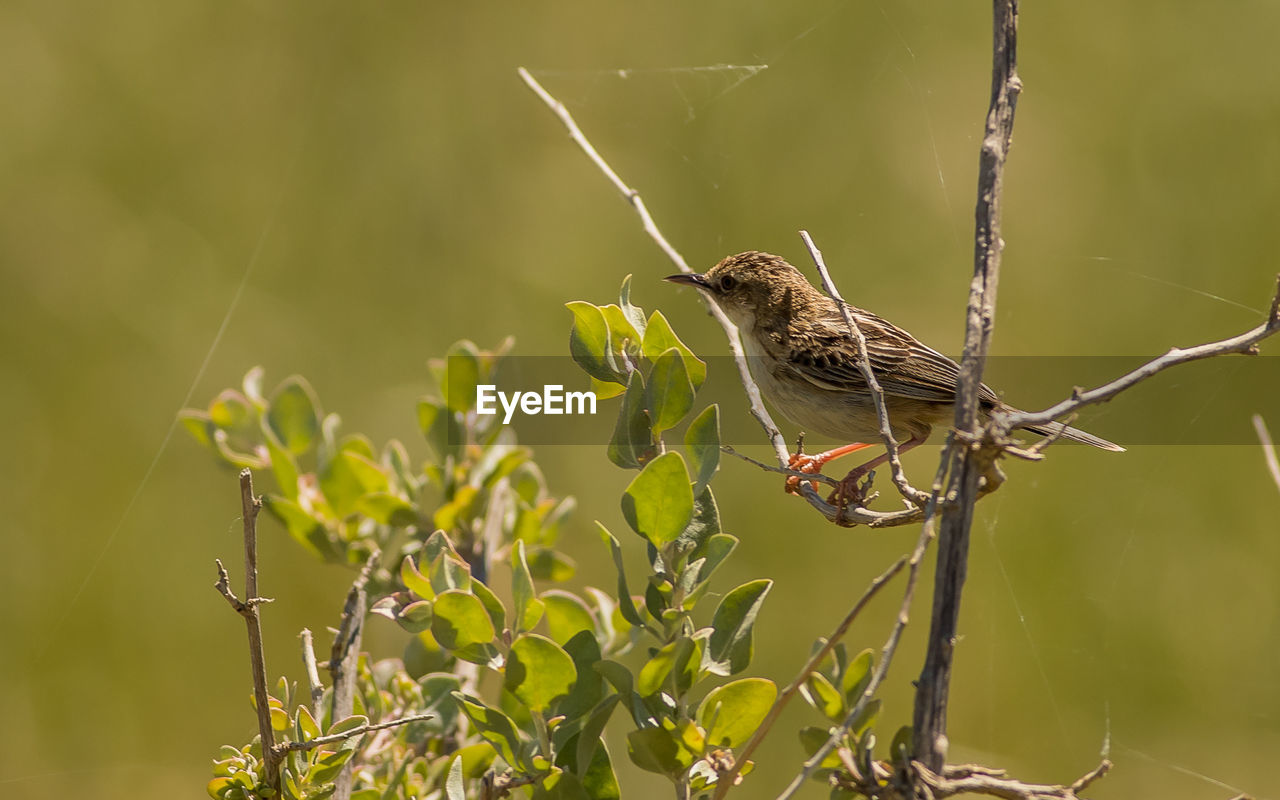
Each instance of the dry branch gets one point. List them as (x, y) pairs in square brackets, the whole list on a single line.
[(344, 659), (248, 609), (967, 465), (1245, 343)]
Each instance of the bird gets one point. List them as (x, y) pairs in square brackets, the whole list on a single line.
[(804, 358)]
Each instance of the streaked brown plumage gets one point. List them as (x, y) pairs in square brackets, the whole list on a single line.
[(806, 363)]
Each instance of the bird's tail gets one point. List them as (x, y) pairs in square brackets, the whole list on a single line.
[(1075, 435)]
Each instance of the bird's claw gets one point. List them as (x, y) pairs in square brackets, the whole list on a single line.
[(852, 490), (800, 462)]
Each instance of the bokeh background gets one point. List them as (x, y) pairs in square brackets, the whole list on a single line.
[(338, 190)]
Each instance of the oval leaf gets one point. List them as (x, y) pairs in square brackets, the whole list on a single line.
[(659, 502), (670, 392), (539, 671), (732, 713), (460, 619)]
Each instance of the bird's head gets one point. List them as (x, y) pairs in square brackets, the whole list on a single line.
[(752, 287)]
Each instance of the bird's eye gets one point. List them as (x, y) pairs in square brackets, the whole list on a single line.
[(727, 283)]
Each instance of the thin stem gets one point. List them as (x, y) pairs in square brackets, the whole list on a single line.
[(332, 738), (1268, 448), (314, 686)]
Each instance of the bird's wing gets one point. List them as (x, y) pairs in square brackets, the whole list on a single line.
[(825, 354)]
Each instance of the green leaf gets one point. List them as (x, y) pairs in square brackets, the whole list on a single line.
[(305, 727), (496, 727), (231, 410), (327, 764), (462, 375), (589, 342), (857, 676), (900, 747), (460, 620), (659, 502), (386, 508), (670, 391), (658, 338), (599, 782), (283, 464), (497, 612), (547, 564), (415, 617), (538, 671), (566, 615), (732, 713), (812, 739), (293, 415), (252, 385), (440, 428), (605, 390), (632, 442), (414, 581), (305, 528), (198, 424), (634, 314), (449, 571), (866, 717), (729, 650), (589, 688), (618, 676), (625, 605), (423, 655), (528, 608), (674, 668), (702, 441), (453, 787), (715, 549), (349, 476), (658, 750), (592, 731), (706, 519), (824, 697)]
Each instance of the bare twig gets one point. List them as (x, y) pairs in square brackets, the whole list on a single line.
[(979, 780), (795, 473), (1246, 343), (848, 517), (905, 488), (968, 464), (249, 507), (321, 741), (726, 781), (1268, 447), (314, 687), (344, 660)]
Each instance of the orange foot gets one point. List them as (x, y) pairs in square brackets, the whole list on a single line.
[(814, 464)]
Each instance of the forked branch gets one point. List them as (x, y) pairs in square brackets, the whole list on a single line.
[(248, 609)]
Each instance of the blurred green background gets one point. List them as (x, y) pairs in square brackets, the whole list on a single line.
[(349, 188)]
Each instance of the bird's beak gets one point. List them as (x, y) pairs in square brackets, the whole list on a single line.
[(695, 279)]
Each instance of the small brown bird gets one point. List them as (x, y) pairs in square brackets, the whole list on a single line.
[(806, 363)]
